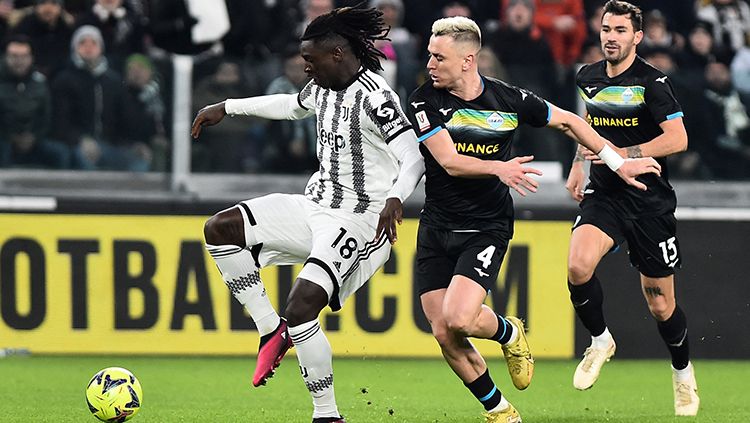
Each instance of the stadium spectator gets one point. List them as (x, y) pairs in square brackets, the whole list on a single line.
[(293, 149), (730, 20), (146, 107), (368, 159), (311, 9), (260, 29), (6, 9), (465, 124), (740, 70), (526, 56), (594, 21), (679, 14), (700, 51), (25, 112), (489, 65), (619, 92), (404, 45), (49, 27), (522, 48), (235, 146), (89, 108), (563, 24), (591, 52), (121, 29), (170, 25), (456, 8), (689, 164), (656, 34), (725, 124)]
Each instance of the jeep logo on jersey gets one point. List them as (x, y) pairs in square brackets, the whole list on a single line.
[(495, 120), (627, 95), (331, 139)]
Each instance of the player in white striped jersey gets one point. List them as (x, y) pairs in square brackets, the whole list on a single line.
[(340, 228)]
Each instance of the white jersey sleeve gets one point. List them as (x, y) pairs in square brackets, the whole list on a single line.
[(383, 109), (306, 97), (274, 106)]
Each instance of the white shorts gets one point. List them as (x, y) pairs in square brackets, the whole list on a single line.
[(336, 246)]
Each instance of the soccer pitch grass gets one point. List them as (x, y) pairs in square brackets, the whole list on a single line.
[(206, 389)]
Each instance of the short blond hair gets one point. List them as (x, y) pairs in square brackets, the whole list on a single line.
[(460, 28)]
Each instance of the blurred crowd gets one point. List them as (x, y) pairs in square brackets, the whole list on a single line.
[(86, 84)]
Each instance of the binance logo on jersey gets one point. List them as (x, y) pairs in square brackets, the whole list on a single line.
[(331, 139), (467, 147), (606, 121)]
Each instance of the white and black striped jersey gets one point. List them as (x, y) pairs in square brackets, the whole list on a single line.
[(354, 127)]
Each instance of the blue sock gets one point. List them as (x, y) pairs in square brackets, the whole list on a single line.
[(504, 330), (485, 391)]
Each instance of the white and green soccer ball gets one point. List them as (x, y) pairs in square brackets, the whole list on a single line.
[(114, 395)]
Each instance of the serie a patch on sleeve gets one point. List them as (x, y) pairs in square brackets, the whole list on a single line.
[(422, 121)]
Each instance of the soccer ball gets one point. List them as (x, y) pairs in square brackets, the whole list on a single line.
[(114, 395)]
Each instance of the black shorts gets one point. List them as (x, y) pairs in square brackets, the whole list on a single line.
[(444, 253), (652, 241)]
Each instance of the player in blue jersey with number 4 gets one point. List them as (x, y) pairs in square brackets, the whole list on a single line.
[(465, 124)]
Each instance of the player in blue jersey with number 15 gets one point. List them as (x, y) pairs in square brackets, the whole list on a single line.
[(632, 104)]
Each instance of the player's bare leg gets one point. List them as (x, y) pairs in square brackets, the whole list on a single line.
[(225, 241), (465, 314), (306, 301), (464, 359), (672, 324), (588, 245)]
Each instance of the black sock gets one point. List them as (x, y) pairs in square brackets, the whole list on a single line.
[(485, 391), (587, 300), (674, 333), (504, 330)]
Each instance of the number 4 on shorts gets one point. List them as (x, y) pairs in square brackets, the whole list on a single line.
[(485, 256)]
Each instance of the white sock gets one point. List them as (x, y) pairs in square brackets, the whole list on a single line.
[(237, 267), (502, 405), (683, 375), (602, 341), (513, 334), (315, 361)]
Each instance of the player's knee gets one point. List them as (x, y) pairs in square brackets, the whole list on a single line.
[(224, 228), (305, 303), (443, 336), (459, 325), (298, 313), (580, 269), (661, 309)]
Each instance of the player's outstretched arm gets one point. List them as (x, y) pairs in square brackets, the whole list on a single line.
[(512, 173), (274, 106), (575, 127)]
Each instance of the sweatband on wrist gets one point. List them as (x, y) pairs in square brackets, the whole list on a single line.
[(611, 158)]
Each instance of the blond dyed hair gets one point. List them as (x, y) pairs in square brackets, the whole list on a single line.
[(459, 28)]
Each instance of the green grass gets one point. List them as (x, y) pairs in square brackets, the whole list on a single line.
[(205, 389)]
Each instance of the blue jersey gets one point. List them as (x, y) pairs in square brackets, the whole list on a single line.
[(481, 128), (627, 110)]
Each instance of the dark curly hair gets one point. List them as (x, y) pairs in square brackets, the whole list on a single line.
[(360, 27)]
